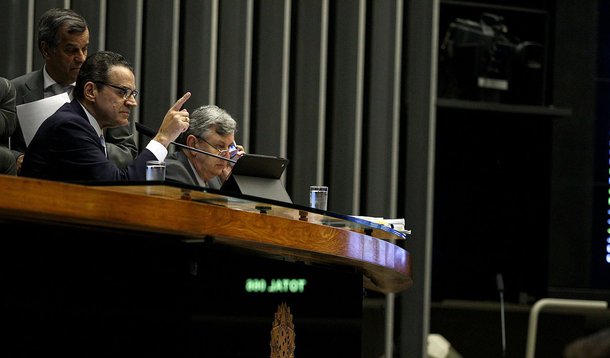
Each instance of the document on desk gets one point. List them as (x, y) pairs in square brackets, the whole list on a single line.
[(31, 115), (396, 224)]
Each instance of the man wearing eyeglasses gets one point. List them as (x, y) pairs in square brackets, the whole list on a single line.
[(69, 145), (63, 39), (211, 129)]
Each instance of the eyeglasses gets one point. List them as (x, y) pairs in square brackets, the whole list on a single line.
[(125, 92), (232, 150)]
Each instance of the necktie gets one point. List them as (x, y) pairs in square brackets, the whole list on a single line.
[(103, 141), (53, 90), (70, 91)]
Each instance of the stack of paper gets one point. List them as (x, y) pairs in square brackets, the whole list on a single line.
[(32, 114), (396, 224)]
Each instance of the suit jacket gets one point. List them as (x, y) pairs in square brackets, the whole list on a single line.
[(120, 142), (67, 148), (8, 123), (177, 168), (8, 119)]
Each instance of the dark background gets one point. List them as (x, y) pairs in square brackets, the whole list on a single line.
[(521, 183), (520, 187)]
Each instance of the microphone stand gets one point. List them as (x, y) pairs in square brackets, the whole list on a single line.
[(151, 134), (500, 285)]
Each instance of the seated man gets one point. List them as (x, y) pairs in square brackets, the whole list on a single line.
[(211, 129), (8, 123), (69, 145)]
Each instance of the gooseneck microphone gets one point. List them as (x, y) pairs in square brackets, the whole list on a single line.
[(151, 134), (500, 286)]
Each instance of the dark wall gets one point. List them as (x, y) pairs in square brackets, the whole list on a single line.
[(578, 226), (491, 205), (601, 245), (518, 191)]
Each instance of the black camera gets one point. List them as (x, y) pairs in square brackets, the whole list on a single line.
[(479, 60)]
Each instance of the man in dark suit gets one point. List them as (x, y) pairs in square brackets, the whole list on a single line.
[(63, 39), (211, 129), (8, 123), (69, 145)]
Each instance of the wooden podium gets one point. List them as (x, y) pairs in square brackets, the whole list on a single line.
[(159, 269)]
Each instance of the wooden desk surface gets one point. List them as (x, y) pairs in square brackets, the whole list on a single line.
[(193, 216)]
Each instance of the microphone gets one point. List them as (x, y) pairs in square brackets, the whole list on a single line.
[(500, 286), (151, 134)]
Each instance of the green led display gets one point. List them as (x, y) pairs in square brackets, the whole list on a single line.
[(275, 285)]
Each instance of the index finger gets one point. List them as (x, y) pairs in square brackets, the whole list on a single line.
[(178, 105)]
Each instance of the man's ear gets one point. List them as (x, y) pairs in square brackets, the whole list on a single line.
[(191, 140), (90, 91), (45, 49)]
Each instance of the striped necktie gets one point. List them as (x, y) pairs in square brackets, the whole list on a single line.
[(53, 90), (103, 141), (70, 91)]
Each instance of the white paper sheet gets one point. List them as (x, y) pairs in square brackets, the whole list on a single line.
[(31, 115)]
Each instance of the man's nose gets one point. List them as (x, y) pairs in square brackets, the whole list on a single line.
[(81, 56)]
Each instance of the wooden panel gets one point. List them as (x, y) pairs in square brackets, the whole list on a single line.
[(385, 266)]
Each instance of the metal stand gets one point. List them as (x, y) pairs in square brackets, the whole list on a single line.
[(563, 305), (389, 325)]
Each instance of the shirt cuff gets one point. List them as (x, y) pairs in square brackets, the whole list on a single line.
[(157, 149)]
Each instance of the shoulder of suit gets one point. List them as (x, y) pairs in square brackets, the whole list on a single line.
[(72, 115), (7, 89), (173, 162), (176, 170), (29, 79)]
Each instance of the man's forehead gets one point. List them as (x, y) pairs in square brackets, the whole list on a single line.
[(74, 38), (120, 71), (225, 138)]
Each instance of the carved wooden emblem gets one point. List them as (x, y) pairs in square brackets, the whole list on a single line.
[(282, 333)]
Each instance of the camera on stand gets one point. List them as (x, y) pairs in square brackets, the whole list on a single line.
[(480, 61)]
